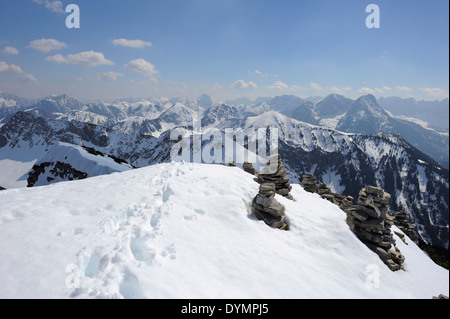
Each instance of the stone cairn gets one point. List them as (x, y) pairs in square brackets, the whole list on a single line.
[(368, 219), (309, 183), (441, 296), (272, 180), (370, 222), (248, 167), (268, 209), (403, 221), (275, 173)]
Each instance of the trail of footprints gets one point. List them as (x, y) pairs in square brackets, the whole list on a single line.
[(138, 230)]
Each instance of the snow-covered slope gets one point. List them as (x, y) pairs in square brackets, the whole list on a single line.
[(347, 162), (332, 106), (65, 161), (186, 231), (367, 117), (84, 116)]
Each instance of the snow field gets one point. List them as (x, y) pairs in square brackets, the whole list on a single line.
[(185, 231)]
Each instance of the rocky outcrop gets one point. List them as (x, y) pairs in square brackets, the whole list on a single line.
[(59, 170), (35, 172), (441, 296), (275, 173), (267, 208), (370, 222), (309, 183), (403, 221), (248, 167)]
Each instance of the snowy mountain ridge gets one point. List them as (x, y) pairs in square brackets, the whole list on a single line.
[(65, 161), (347, 162), (183, 230)]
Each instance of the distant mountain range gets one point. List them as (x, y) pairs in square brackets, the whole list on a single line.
[(435, 113), (347, 143), (367, 117), (346, 162)]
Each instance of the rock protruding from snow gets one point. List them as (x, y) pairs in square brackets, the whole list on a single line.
[(57, 171), (403, 221), (370, 222), (441, 296), (275, 173), (309, 183), (267, 208), (248, 167)]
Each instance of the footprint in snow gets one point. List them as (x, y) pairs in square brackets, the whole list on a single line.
[(140, 251), (129, 287), (167, 192), (197, 212), (169, 251)]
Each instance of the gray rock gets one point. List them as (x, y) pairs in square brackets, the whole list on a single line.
[(275, 173), (374, 191), (264, 201)]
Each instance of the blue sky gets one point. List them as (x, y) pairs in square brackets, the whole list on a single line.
[(225, 48)]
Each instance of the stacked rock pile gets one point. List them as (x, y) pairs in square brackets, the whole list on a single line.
[(325, 192), (248, 167), (345, 202), (441, 296), (267, 208), (275, 173), (370, 222), (403, 221), (309, 183)]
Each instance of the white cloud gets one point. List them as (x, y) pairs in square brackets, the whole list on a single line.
[(316, 86), (47, 45), (111, 76), (366, 90), (87, 58), (242, 85), (145, 68), (10, 50), (340, 90), (15, 69), (216, 86), (380, 90), (258, 72), (3, 66), (403, 89), (131, 43), (278, 85), (436, 93), (55, 5), (29, 77), (383, 89)]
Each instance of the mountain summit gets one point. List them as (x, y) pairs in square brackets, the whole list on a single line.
[(365, 116), (184, 230)]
